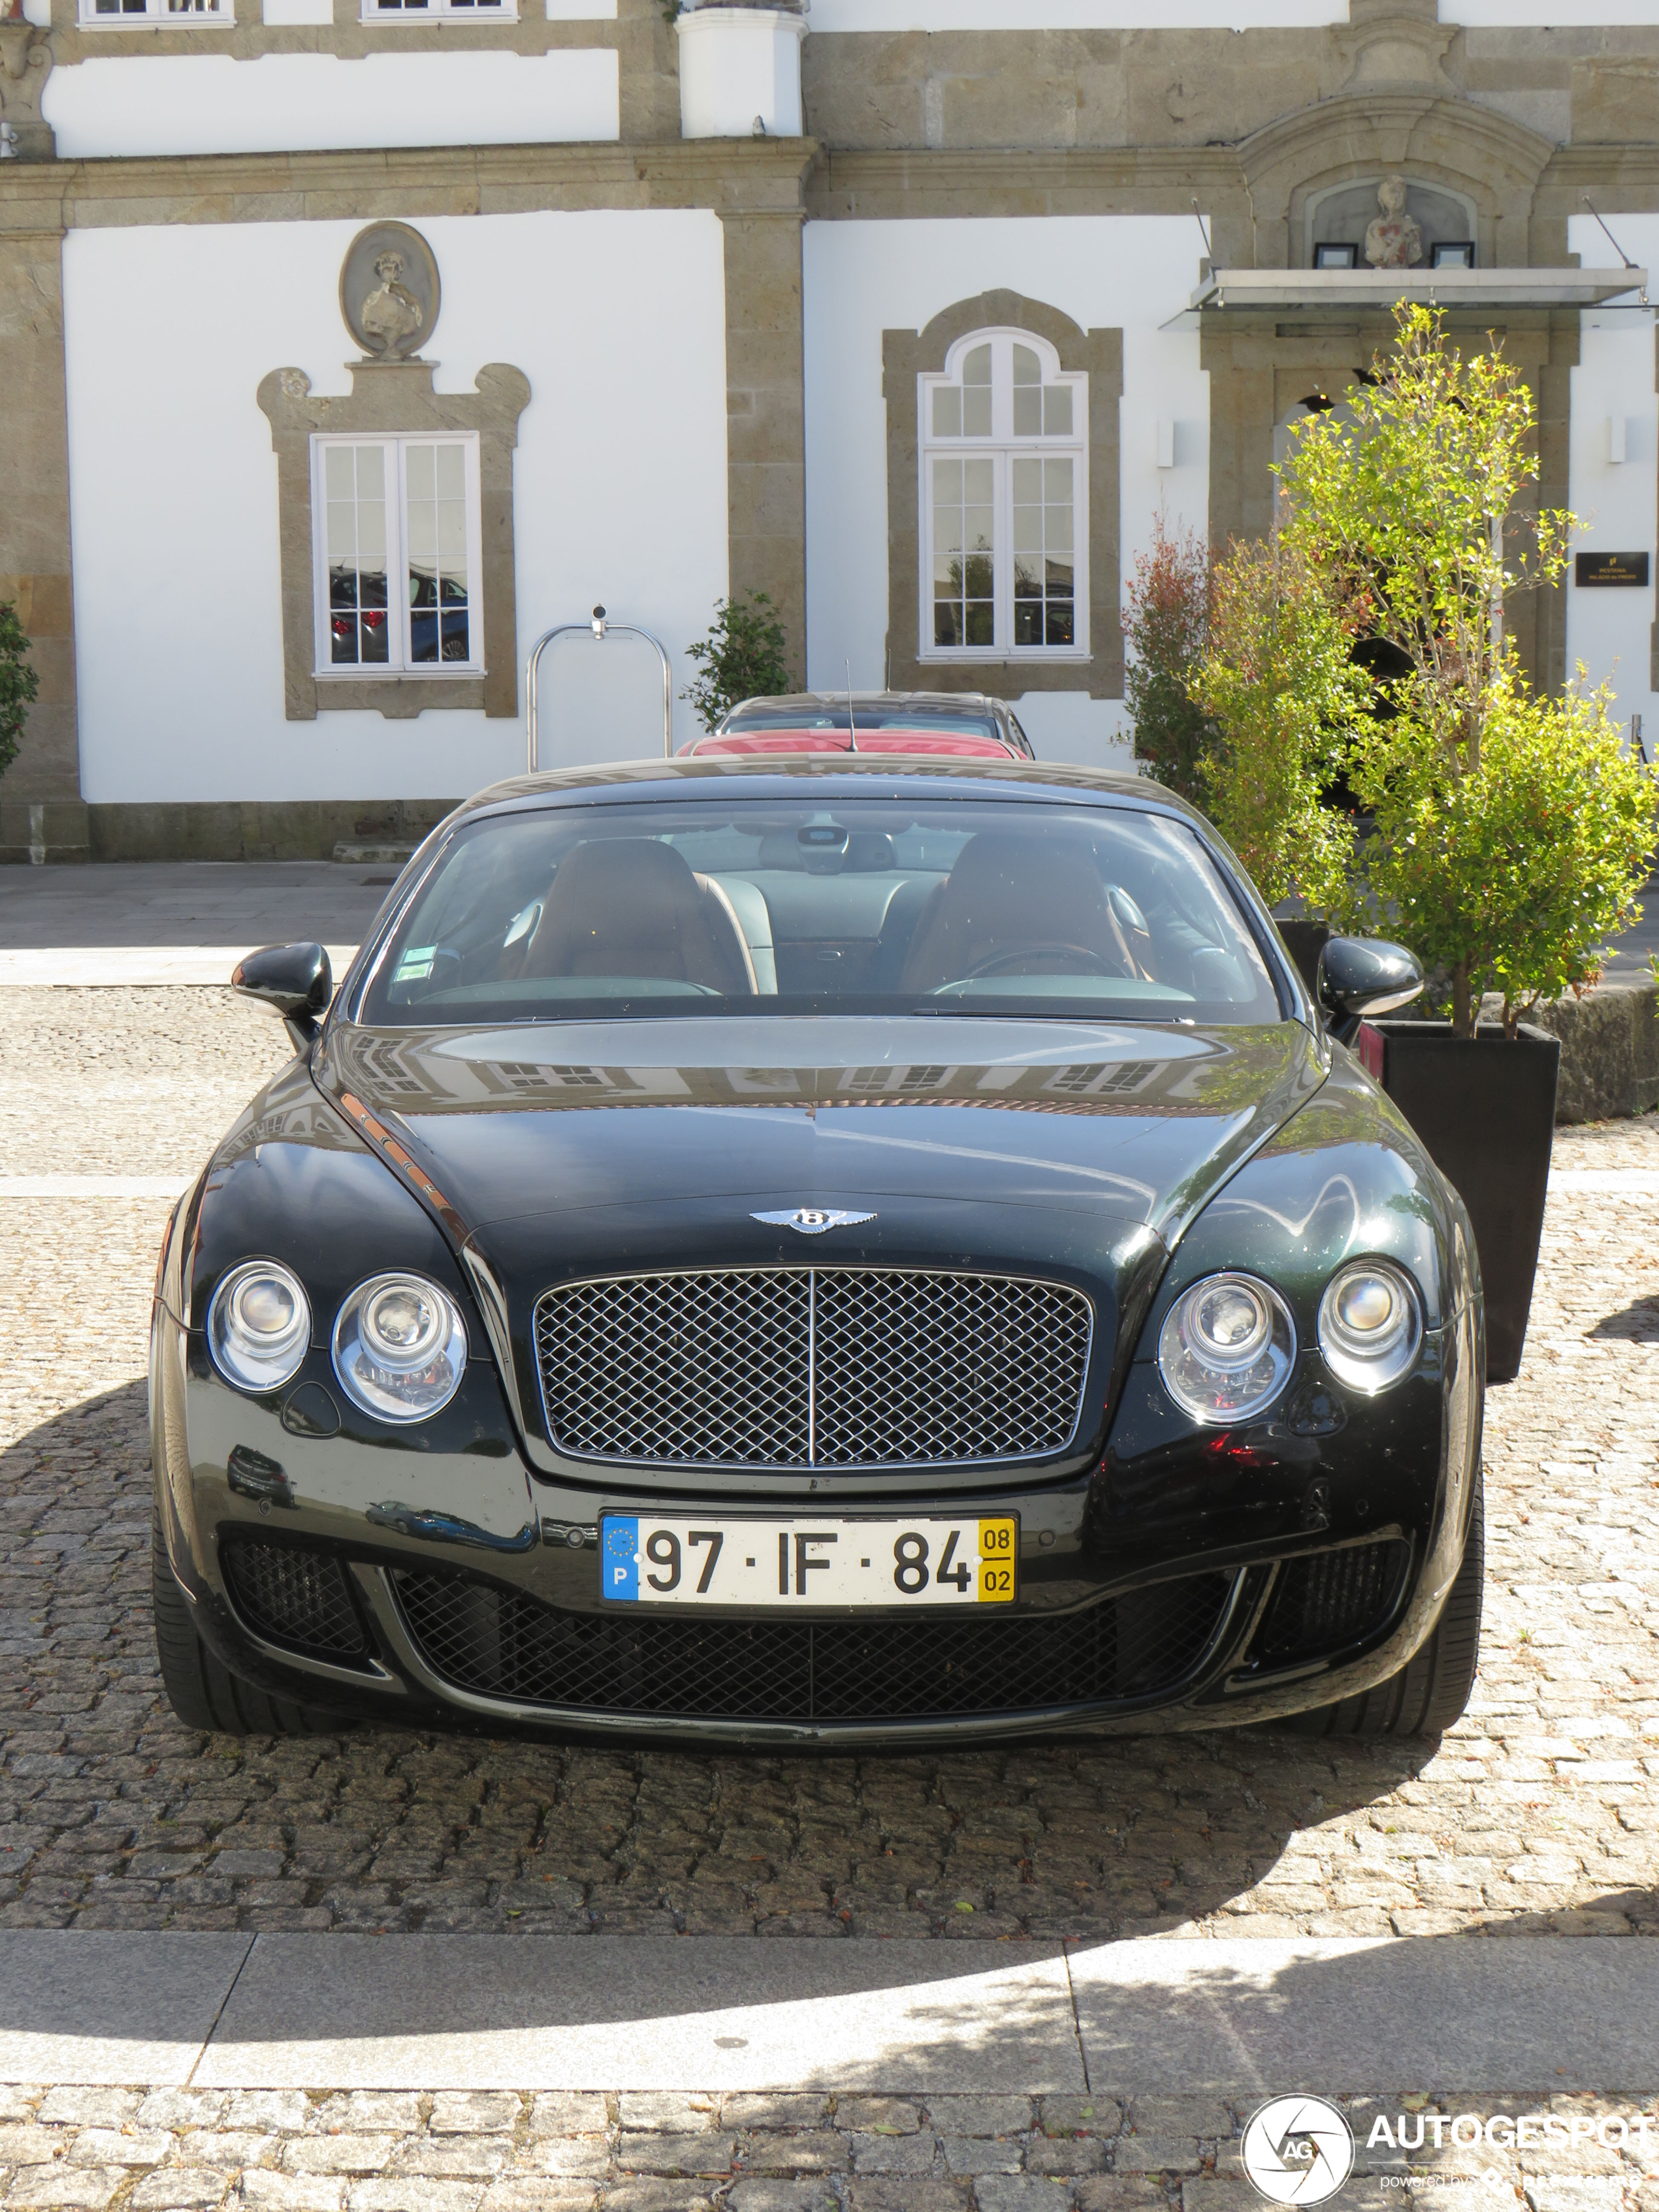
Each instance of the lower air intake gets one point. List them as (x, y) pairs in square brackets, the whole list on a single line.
[(499, 1644), (298, 1598), (1328, 1600)]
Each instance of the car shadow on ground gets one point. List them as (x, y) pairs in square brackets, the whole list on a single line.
[(120, 1817)]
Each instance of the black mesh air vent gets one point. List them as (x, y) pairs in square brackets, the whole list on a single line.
[(499, 1644), (1328, 1600), (294, 1598)]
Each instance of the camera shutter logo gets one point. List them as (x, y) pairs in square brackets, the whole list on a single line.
[(1297, 2150)]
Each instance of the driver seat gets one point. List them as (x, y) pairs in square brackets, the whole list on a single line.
[(1005, 891), (632, 906)]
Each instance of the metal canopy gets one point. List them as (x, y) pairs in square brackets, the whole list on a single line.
[(1338, 292)]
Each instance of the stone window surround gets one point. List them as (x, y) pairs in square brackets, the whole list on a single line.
[(909, 354), (397, 397)]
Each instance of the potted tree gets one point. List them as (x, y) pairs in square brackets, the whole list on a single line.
[(1511, 830)]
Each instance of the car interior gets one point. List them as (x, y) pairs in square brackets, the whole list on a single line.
[(868, 906)]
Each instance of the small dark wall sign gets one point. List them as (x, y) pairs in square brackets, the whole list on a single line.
[(1603, 571)]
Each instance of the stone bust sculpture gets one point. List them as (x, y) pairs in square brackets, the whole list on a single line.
[(392, 312), (1393, 240)]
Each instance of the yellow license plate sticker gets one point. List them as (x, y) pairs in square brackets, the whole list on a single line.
[(998, 1541)]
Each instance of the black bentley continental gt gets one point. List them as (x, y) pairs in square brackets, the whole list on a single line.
[(843, 1251)]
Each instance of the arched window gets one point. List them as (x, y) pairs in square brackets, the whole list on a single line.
[(1004, 502)]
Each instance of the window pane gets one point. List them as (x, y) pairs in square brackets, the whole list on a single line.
[(976, 369), (451, 472), (947, 530), (947, 623), (1057, 481), (451, 530), (1027, 478), (982, 629), (947, 481), (1028, 585), (1057, 410), (419, 465), (1061, 629), (1028, 412), (977, 480), (455, 635), (976, 412), (1027, 369), (1028, 530), (964, 566), (947, 411), (1057, 534), (355, 527), (422, 529)]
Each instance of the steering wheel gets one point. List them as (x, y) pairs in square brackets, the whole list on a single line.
[(1092, 962)]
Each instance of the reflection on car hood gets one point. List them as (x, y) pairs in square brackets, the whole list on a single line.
[(1134, 1124)]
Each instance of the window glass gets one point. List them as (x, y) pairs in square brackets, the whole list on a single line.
[(866, 905), (398, 529), (1002, 527)]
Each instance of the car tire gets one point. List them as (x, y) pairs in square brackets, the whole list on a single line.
[(200, 1687), (1432, 1688)]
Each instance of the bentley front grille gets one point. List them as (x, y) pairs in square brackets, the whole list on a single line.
[(501, 1643), (783, 1367)]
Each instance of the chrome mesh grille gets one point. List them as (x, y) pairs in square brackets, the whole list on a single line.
[(812, 1366)]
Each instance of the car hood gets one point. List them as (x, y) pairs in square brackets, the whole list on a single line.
[(655, 1143)]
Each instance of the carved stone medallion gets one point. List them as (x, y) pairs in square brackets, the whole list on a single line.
[(389, 291)]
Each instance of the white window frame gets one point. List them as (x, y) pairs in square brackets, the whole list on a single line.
[(157, 15), (450, 11), (398, 664), (1002, 448)]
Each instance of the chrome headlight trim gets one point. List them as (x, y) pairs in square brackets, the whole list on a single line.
[(1370, 1325), (399, 1347), (1226, 1348), (258, 1325)]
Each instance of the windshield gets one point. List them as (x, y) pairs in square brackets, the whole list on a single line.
[(865, 906)]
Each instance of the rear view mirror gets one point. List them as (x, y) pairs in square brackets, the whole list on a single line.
[(294, 981), (1362, 976)]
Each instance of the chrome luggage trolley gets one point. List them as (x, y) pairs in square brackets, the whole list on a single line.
[(600, 627)]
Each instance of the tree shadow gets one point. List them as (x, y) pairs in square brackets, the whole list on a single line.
[(1636, 1323), (1085, 1837)]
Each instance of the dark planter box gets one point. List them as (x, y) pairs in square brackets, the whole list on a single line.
[(1486, 1110), (1304, 941)]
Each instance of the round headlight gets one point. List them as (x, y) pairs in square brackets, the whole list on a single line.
[(1226, 1348), (1369, 1325), (399, 1347), (259, 1326)]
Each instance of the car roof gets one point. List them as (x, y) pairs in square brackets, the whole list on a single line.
[(945, 701), (945, 744), (779, 776)]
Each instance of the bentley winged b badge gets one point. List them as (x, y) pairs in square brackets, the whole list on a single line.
[(812, 1220)]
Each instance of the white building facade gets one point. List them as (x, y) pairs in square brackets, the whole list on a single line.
[(349, 345)]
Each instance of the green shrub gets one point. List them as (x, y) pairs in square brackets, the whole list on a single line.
[(1281, 689), (1505, 868), (1166, 625), (741, 657), (18, 683)]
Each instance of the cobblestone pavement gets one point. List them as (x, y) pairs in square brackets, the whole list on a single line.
[(1538, 1813), (287, 2151)]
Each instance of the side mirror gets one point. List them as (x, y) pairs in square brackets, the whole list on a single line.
[(1361, 975), (294, 981)]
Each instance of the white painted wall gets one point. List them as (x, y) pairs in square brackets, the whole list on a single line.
[(1610, 631), (1095, 14), (1549, 15), (619, 482), (1127, 272), (149, 104)]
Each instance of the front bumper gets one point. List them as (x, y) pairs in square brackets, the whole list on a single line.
[(1186, 1580)]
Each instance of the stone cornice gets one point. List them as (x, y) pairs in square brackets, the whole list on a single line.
[(736, 175)]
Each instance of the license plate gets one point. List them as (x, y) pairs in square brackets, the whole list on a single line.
[(714, 1560)]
